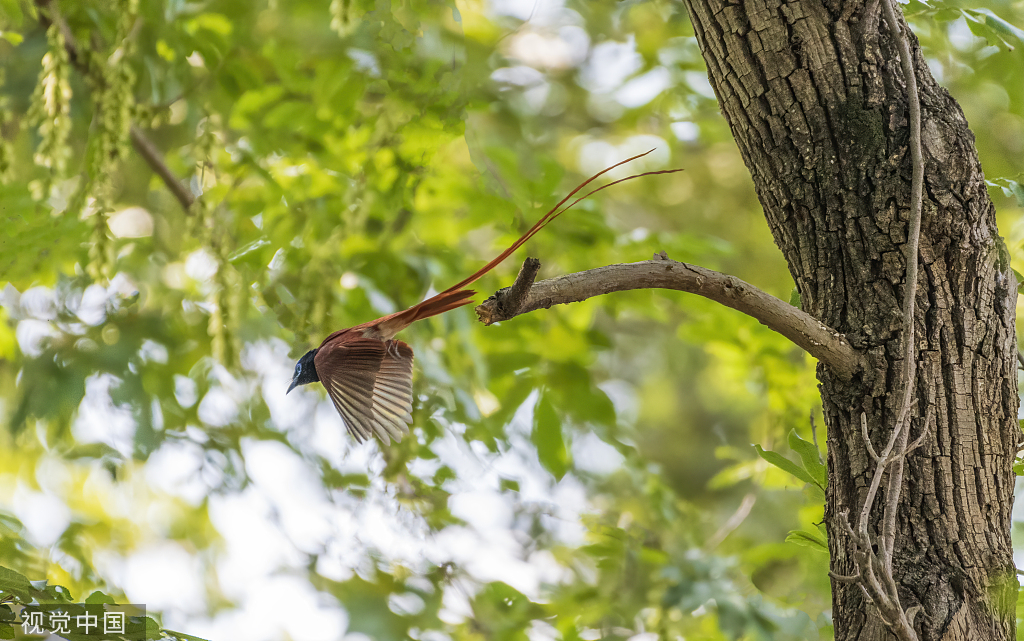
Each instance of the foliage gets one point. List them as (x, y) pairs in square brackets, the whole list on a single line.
[(572, 474)]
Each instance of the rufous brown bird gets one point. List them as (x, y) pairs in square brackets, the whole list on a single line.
[(368, 374)]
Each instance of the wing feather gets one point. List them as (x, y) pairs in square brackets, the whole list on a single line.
[(356, 422), (370, 383)]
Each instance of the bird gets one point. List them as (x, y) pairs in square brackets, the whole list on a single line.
[(368, 373)]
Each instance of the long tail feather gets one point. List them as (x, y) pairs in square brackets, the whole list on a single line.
[(616, 182), (444, 302), (547, 218), (439, 304), (455, 296)]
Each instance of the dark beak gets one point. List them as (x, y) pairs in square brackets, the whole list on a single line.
[(292, 386)]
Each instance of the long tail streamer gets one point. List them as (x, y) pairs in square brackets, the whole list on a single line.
[(557, 211)]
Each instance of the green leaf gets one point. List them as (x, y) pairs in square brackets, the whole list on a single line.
[(1000, 26), (985, 24), (12, 37), (55, 241), (94, 451), (153, 628), (11, 10), (100, 597), (1017, 190), (13, 583), (794, 297), (290, 114), (811, 458), (732, 474), (214, 22), (248, 249), (784, 464), (1010, 188), (807, 539), (815, 494), (547, 436)]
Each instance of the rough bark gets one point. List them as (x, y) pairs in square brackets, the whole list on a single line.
[(817, 103)]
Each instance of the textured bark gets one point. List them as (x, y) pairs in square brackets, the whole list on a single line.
[(817, 103)]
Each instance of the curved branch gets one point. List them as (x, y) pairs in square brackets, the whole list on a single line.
[(149, 151), (155, 160), (824, 343)]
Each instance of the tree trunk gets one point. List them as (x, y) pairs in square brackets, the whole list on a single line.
[(817, 102)]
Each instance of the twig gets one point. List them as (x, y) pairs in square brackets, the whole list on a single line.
[(876, 480), (914, 231), (155, 160), (820, 341), (149, 152), (508, 301), (892, 498), (814, 437), (867, 439), (845, 578), (919, 441), (733, 522)]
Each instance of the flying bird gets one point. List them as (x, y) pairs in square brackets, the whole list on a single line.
[(368, 374)]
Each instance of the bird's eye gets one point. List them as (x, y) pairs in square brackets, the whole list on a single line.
[(298, 368)]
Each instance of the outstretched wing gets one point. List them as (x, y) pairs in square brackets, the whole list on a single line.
[(370, 382)]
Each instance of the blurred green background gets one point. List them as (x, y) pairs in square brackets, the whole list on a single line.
[(582, 472)]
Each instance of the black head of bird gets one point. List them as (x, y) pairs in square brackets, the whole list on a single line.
[(305, 371)]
